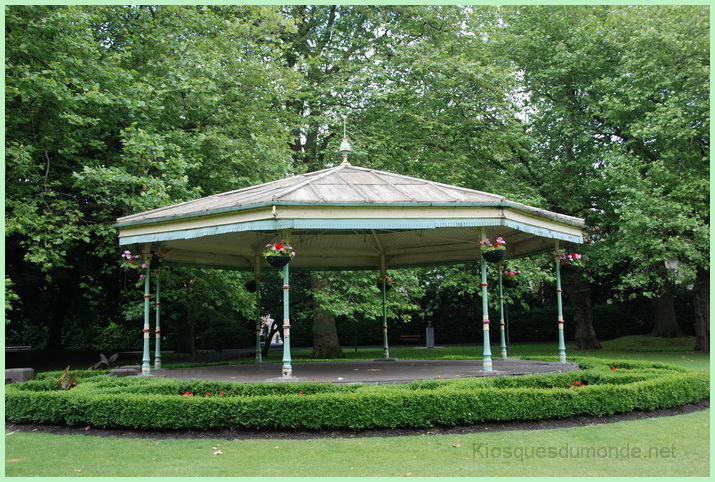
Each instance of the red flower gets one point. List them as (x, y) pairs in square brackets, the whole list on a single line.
[(208, 394), (188, 394), (577, 383), (301, 393), (279, 246), (221, 394), (614, 368)]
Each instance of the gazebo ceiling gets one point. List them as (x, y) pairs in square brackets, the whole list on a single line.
[(345, 217)]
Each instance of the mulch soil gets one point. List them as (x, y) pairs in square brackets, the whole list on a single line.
[(488, 427)]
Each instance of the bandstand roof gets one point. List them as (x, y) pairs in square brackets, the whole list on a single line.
[(345, 217)]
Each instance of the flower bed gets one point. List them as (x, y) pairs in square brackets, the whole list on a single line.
[(603, 387)]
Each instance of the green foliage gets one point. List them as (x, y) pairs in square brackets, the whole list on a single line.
[(618, 100), (598, 111), (603, 387), (115, 110), (358, 295)]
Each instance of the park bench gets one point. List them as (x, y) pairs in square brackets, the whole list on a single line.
[(411, 338), (17, 348)]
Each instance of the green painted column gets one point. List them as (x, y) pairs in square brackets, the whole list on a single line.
[(559, 305), (487, 353), (146, 367), (502, 324), (287, 368), (157, 330), (257, 275), (385, 347), (383, 274), (259, 356)]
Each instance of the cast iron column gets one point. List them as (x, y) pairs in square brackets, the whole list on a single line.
[(146, 367), (487, 354), (257, 274), (502, 324), (287, 368), (157, 303), (383, 273), (559, 305)]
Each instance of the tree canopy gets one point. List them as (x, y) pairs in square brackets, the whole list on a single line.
[(595, 111)]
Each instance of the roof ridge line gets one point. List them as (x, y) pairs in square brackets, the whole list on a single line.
[(438, 184), (310, 177)]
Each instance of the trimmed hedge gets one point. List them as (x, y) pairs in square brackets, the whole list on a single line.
[(604, 387)]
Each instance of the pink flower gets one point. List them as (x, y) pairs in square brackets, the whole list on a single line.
[(188, 394)]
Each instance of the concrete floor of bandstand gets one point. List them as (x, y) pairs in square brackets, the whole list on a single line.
[(366, 372)]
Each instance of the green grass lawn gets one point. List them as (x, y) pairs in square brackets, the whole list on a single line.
[(666, 446)]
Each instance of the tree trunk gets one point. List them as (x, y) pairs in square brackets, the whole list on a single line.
[(666, 323), (579, 293), (701, 293), (58, 309), (185, 332), (325, 334)]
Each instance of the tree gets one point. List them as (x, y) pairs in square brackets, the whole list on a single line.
[(617, 99), (420, 90), (333, 51), (357, 296), (115, 110)]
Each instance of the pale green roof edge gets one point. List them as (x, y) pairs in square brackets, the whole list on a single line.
[(341, 224), (563, 218)]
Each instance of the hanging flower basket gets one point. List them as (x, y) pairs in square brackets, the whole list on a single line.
[(571, 262), (570, 268), (494, 256), (511, 278), (155, 262), (278, 254), (493, 251), (278, 261), (387, 284)]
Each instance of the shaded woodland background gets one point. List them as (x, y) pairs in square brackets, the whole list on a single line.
[(600, 112)]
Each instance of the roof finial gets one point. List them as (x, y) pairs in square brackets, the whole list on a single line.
[(345, 149)]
